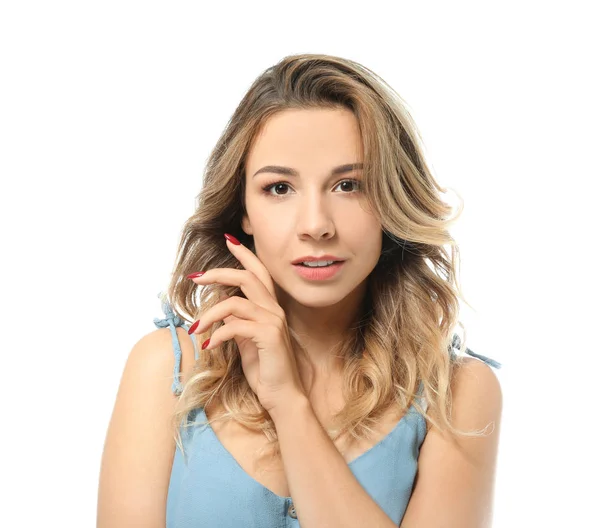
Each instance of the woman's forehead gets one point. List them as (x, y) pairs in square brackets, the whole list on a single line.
[(307, 140)]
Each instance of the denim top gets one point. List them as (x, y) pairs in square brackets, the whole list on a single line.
[(209, 488)]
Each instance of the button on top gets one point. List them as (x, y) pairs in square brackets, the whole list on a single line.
[(292, 511)]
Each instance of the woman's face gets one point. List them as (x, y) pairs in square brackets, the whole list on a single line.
[(313, 212)]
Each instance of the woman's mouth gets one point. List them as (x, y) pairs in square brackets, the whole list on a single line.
[(316, 273)]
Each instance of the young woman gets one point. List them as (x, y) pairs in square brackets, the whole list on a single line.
[(320, 277)]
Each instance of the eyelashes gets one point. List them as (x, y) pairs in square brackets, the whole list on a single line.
[(267, 189)]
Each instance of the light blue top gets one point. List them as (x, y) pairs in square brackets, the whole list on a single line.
[(210, 489)]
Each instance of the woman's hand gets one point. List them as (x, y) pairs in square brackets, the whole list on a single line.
[(259, 327)]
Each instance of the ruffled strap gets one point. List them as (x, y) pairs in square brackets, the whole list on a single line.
[(456, 346), (172, 321)]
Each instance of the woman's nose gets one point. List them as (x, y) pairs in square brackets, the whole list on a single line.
[(314, 219)]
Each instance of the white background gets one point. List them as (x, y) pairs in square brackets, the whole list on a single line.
[(108, 111)]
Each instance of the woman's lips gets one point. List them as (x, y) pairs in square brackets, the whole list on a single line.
[(318, 273)]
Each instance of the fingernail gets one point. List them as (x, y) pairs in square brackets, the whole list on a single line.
[(195, 275), (232, 239), (193, 327), (205, 344)]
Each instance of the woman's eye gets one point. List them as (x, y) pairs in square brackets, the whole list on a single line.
[(279, 185), (350, 182), (283, 185)]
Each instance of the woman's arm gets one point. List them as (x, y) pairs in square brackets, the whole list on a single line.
[(139, 447), (455, 481)]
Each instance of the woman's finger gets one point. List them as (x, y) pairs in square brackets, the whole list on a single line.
[(234, 307), (249, 283), (251, 262)]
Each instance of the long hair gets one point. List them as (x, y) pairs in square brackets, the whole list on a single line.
[(404, 332)]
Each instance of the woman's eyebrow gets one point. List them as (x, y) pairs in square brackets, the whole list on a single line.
[(288, 171)]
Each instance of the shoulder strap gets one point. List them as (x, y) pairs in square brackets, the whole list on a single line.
[(172, 321), (456, 346), (421, 397)]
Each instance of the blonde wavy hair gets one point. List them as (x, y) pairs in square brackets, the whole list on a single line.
[(405, 331)]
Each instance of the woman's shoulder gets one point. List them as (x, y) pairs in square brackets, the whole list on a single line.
[(476, 389), (156, 356), (474, 374), (140, 445)]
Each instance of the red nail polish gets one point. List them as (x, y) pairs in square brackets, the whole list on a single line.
[(195, 275), (193, 327), (232, 239), (205, 344)]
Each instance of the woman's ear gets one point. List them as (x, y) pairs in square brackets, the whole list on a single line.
[(246, 226)]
